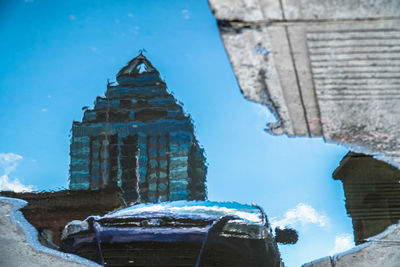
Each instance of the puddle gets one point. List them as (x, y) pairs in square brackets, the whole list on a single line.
[(138, 142)]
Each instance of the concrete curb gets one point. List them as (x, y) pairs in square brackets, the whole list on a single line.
[(31, 233)]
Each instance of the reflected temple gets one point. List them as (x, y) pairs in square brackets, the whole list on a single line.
[(137, 138), (135, 145)]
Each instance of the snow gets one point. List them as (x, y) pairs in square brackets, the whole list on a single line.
[(32, 234), (202, 208)]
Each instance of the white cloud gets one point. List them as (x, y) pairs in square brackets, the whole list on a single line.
[(8, 163), (14, 185), (302, 214), (343, 242), (9, 157), (44, 109), (186, 14), (135, 30), (264, 113)]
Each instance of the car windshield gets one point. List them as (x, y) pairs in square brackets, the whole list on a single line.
[(199, 208)]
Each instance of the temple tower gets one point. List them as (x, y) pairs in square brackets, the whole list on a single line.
[(138, 138)]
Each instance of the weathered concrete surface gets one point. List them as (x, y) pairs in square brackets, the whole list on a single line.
[(381, 250), (324, 68), (16, 242)]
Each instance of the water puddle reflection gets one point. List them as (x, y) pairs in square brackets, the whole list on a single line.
[(140, 191), (137, 145)]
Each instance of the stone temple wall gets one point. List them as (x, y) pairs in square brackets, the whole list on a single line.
[(138, 138)]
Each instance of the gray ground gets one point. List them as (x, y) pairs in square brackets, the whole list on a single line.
[(324, 68), (381, 250), (15, 249)]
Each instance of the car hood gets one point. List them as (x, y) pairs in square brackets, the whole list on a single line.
[(207, 210)]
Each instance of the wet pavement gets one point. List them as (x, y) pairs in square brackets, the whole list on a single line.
[(19, 245)]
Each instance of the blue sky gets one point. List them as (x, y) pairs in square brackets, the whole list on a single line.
[(57, 56)]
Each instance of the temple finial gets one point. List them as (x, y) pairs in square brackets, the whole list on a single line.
[(141, 51)]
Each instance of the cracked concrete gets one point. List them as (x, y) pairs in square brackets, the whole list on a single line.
[(324, 68)]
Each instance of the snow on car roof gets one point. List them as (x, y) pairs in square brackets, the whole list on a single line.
[(200, 208)]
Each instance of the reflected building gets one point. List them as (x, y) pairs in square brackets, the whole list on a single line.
[(372, 191), (136, 144), (137, 138)]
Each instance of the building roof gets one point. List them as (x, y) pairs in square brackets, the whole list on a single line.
[(361, 167)]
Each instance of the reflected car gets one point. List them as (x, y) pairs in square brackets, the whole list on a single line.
[(179, 233)]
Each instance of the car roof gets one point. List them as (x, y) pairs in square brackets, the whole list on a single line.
[(198, 209)]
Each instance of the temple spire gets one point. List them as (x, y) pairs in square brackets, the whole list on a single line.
[(141, 51), (138, 66)]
